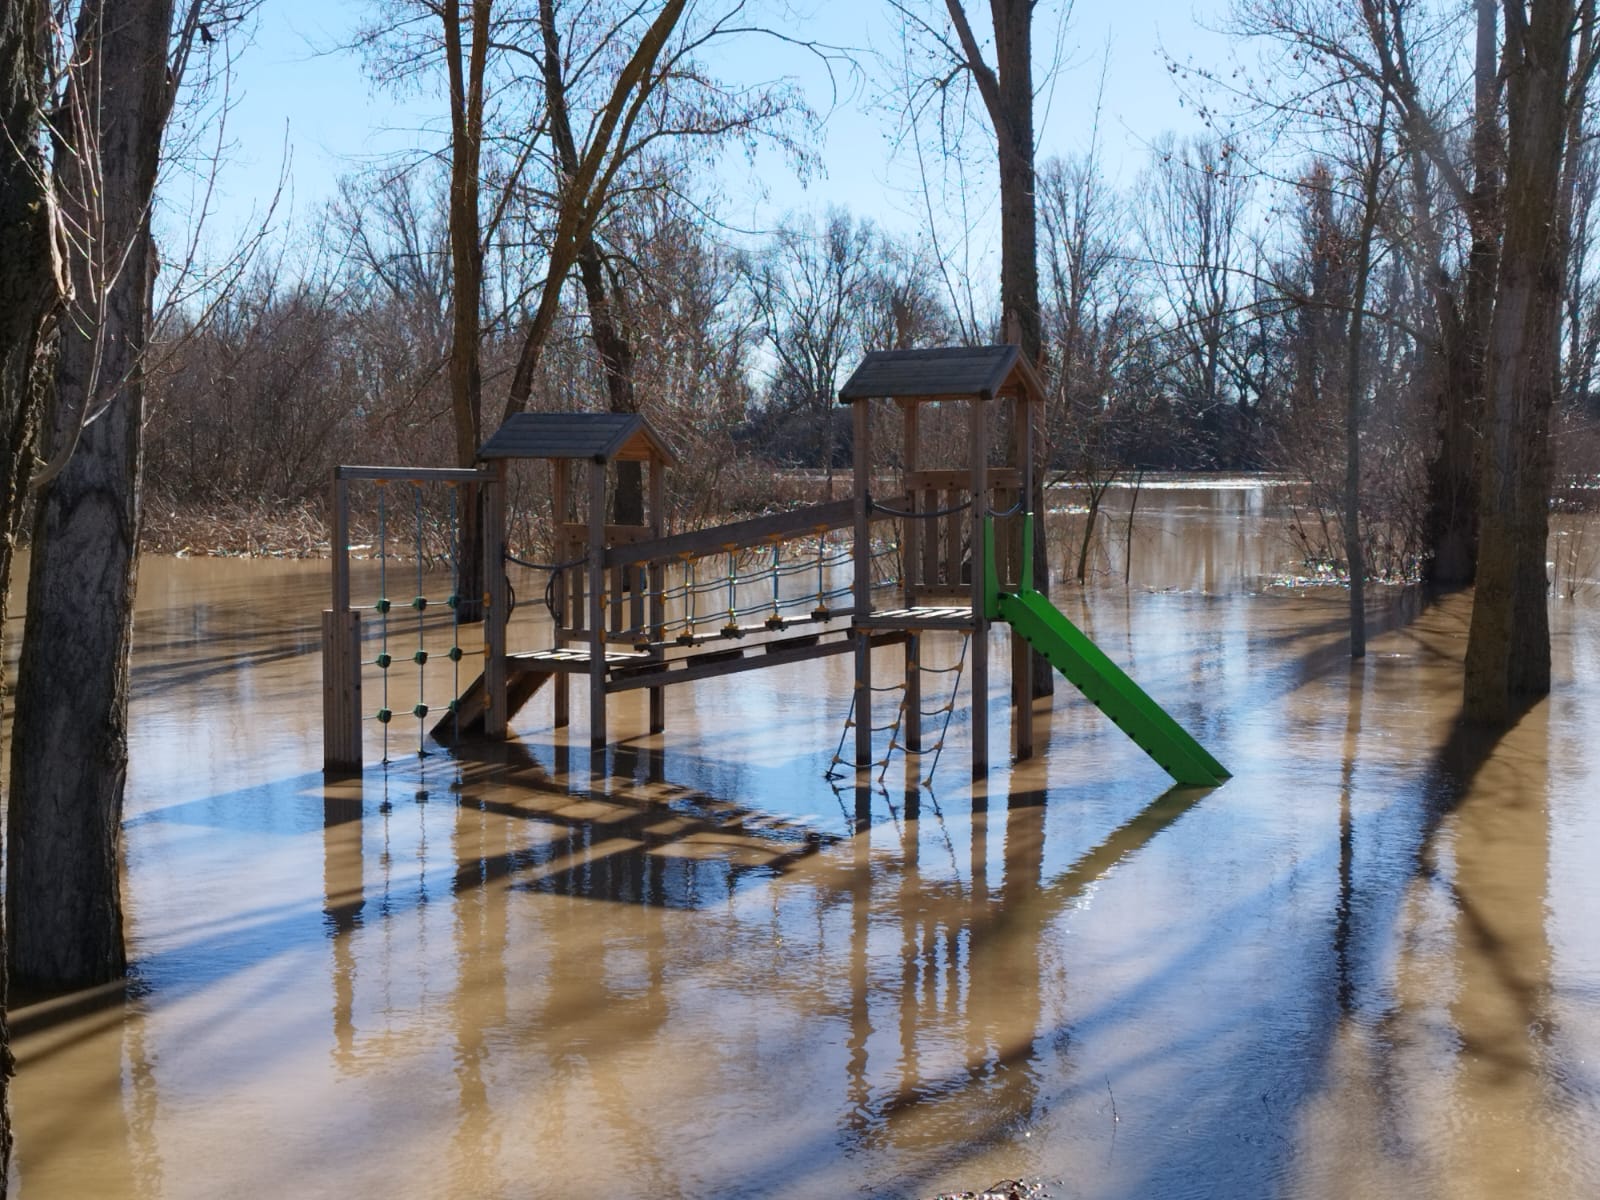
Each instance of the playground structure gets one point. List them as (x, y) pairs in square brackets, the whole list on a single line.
[(634, 609)]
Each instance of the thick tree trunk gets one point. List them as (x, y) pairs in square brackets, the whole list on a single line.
[(69, 750), (1454, 473), (28, 299), (1508, 647)]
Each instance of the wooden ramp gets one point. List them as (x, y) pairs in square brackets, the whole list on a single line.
[(525, 675), (523, 681)]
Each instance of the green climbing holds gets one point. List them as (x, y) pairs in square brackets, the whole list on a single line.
[(454, 654), (420, 657), (452, 600), (420, 710), (420, 603), (383, 716), (383, 661), (382, 605)]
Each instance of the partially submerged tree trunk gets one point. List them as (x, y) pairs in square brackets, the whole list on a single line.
[(29, 295), (69, 750), (1355, 388), (1454, 472), (1508, 647)]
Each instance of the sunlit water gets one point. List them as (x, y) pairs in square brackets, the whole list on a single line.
[(1367, 966)]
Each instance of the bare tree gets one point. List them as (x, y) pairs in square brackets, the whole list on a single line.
[(1192, 227), (1092, 310), (808, 288), (69, 749)]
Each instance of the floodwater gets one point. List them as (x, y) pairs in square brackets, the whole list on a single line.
[(1369, 965)]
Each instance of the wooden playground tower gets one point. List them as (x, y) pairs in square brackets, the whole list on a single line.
[(963, 562)]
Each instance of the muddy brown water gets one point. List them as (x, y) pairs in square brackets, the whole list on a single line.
[(1367, 966)]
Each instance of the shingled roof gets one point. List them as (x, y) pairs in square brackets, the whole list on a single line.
[(599, 437), (979, 372)]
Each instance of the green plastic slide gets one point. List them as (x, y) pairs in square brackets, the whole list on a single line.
[(1106, 685)]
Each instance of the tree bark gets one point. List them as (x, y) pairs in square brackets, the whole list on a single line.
[(466, 274), (29, 296), (1355, 391), (1454, 472), (1007, 93), (1508, 646), (69, 749)]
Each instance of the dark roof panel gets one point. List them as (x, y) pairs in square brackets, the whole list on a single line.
[(981, 371), (605, 437)]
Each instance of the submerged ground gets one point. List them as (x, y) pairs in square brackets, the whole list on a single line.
[(1369, 965)]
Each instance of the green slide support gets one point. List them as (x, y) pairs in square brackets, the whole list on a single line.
[(1089, 670)]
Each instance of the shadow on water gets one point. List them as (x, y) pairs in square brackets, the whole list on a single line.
[(911, 975)]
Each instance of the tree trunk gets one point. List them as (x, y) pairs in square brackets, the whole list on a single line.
[(69, 750), (1454, 473), (28, 299), (1007, 93), (609, 329), (1508, 646), (1355, 391), (466, 273)]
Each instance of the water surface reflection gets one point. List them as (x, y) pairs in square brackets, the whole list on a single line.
[(690, 966)]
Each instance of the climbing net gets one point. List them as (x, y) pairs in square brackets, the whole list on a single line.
[(410, 629), (893, 727)]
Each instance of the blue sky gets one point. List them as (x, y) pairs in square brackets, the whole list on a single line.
[(295, 88)]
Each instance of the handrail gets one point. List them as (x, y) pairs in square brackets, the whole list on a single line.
[(743, 534)]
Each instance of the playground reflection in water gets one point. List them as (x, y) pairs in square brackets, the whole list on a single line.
[(1366, 966)]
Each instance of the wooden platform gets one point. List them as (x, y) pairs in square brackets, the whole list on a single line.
[(709, 664), (957, 617), (573, 660)]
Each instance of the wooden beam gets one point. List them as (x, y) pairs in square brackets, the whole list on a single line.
[(497, 602), (913, 530), (688, 670), (978, 488), (862, 417), (341, 544), (741, 534), (657, 581), (958, 478), (597, 616), (418, 474)]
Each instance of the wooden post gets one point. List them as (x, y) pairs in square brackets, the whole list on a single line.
[(597, 608), (978, 489), (341, 690), (341, 542), (911, 541), (910, 558), (561, 508), (863, 580), (911, 724), (341, 650), (1021, 653), (657, 583), (497, 603)]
